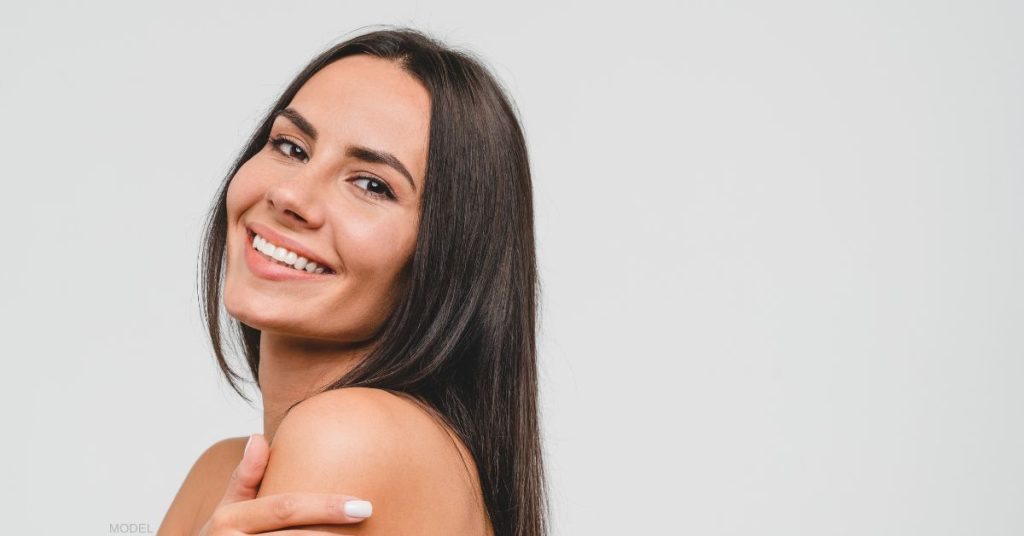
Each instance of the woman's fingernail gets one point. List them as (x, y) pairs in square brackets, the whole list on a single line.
[(358, 508), (247, 443)]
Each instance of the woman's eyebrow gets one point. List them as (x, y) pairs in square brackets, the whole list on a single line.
[(358, 152)]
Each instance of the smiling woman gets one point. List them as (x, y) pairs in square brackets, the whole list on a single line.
[(375, 245), (308, 192)]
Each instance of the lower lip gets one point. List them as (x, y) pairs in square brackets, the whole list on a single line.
[(261, 265)]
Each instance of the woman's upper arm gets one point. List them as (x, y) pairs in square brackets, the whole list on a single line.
[(370, 444)]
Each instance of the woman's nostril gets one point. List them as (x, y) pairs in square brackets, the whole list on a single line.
[(293, 213)]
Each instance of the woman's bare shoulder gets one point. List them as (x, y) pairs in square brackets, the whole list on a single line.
[(383, 446), (203, 486), (399, 421)]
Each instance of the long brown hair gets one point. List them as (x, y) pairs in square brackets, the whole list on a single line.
[(462, 338)]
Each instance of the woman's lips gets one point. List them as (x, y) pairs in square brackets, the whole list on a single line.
[(266, 268), (279, 239)]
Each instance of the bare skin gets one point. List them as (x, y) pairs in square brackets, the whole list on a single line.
[(452, 488), (335, 205), (202, 488), (360, 219), (233, 496)]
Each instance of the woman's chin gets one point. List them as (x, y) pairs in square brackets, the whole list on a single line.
[(257, 319), (262, 322)]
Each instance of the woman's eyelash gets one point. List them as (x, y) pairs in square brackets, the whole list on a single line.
[(387, 193), (276, 142)]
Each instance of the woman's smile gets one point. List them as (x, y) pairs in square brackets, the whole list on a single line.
[(267, 260)]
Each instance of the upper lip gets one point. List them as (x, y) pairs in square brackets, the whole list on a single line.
[(279, 239)]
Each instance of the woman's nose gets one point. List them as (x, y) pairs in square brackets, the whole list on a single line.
[(293, 202)]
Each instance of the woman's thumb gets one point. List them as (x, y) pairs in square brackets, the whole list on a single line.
[(245, 480)]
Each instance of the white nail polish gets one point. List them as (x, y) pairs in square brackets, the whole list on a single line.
[(247, 443), (358, 508)]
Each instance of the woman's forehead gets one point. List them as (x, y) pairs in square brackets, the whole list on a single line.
[(368, 101), (366, 84)]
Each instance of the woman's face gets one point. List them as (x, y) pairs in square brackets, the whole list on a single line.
[(338, 197)]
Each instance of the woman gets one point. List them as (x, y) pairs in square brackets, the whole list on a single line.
[(376, 240)]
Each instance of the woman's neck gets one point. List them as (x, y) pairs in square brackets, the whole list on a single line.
[(291, 369)]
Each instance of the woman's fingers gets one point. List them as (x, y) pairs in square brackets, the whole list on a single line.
[(312, 530), (298, 532), (240, 511), (245, 480), (289, 510)]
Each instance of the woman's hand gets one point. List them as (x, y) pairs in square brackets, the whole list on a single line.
[(240, 512)]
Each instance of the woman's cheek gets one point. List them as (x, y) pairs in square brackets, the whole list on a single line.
[(385, 248), (240, 192)]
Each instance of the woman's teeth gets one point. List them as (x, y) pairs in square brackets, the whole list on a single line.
[(285, 257)]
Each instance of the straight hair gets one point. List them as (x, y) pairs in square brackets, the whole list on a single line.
[(461, 338)]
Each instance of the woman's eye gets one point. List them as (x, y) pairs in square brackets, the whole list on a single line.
[(279, 141), (374, 187)]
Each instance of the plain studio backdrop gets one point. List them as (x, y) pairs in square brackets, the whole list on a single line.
[(781, 251)]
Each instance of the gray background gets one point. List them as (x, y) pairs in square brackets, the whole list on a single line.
[(781, 248)]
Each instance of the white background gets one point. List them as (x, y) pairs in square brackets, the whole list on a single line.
[(781, 249)]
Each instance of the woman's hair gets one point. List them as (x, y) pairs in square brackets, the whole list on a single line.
[(462, 337)]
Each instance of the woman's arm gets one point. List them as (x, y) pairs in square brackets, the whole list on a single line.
[(224, 484), (380, 447), (205, 474)]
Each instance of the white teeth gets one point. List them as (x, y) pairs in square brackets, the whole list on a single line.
[(283, 256), (266, 248)]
